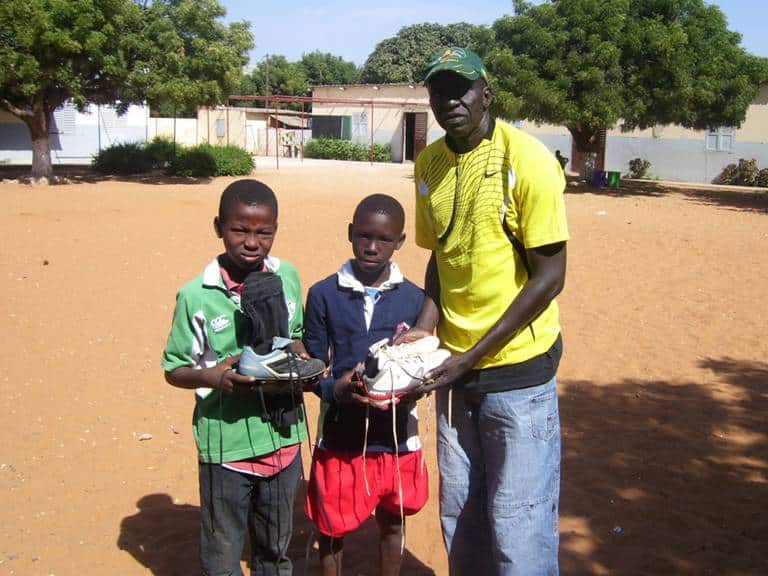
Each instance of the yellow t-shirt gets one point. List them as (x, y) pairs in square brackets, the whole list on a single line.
[(461, 201)]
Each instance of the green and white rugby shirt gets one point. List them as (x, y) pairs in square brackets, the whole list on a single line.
[(209, 326)]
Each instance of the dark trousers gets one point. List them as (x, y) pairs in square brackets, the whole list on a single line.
[(230, 503)]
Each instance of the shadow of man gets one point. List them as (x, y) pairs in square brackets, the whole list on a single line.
[(163, 536)]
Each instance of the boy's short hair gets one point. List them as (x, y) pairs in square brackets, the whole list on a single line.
[(381, 204), (249, 192)]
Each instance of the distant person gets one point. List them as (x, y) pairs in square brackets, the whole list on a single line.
[(364, 463), (562, 159), (248, 446), (490, 208)]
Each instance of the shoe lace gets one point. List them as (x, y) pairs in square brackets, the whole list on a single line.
[(396, 442)]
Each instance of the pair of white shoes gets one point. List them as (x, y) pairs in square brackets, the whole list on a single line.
[(391, 371)]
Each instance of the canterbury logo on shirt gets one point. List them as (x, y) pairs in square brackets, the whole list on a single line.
[(220, 323)]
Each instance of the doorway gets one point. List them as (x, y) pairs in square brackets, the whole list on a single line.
[(415, 131)]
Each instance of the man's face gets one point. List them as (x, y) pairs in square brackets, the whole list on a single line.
[(248, 233), (458, 104)]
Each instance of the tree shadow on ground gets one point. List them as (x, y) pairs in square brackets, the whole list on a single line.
[(165, 538), (748, 200), (663, 477), (627, 188), (63, 175)]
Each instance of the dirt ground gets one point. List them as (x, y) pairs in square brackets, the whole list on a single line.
[(663, 385)]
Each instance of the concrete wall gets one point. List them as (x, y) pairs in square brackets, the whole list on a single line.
[(681, 154), (222, 126), (186, 129), (75, 137)]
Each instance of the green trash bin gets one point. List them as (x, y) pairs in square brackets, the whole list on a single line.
[(613, 179)]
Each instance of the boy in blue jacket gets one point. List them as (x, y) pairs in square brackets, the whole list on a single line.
[(367, 300)]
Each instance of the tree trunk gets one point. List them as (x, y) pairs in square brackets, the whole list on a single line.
[(41, 146), (587, 142)]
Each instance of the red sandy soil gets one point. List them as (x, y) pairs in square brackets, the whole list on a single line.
[(663, 384)]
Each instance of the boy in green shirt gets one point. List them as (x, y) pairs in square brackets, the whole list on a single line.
[(249, 461)]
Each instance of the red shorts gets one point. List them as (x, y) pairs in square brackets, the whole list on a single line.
[(337, 501)]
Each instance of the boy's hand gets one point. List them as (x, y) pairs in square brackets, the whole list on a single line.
[(228, 380), (349, 389), (298, 348), (411, 336)]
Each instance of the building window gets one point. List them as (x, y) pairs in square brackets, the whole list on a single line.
[(720, 139), (63, 119)]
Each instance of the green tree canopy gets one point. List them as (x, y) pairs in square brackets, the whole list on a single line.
[(591, 64), (325, 68), (276, 75), (403, 57), (296, 78), (170, 52), (188, 57)]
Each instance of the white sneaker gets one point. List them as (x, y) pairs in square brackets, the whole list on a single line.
[(391, 371)]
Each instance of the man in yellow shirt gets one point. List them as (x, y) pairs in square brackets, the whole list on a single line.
[(490, 207)]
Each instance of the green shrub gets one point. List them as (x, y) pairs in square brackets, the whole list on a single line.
[(638, 168), (762, 178), (747, 172), (382, 153), (729, 175), (196, 162), (205, 160), (128, 158), (161, 152), (334, 149), (232, 161)]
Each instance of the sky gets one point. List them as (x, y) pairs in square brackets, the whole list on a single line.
[(352, 28)]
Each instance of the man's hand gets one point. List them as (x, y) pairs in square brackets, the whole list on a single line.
[(446, 374)]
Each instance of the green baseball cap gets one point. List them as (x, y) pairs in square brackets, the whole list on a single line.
[(460, 61)]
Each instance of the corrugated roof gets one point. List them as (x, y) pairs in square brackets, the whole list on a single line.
[(291, 121)]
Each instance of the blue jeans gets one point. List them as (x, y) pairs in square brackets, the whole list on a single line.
[(500, 481), (232, 503)]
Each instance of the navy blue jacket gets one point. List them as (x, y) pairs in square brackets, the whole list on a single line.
[(335, 331)]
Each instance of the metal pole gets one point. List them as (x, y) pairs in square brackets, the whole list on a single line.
[(302, 131), (266, 102), (277, 138), (371, 131)]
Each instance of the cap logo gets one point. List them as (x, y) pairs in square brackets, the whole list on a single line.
[(452, 54)]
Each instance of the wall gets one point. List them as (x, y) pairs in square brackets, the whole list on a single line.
[(222, 126), (681, 154), (186, 129), (75, 137)]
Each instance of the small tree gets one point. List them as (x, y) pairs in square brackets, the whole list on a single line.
[(171, 53), (51, 52)]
